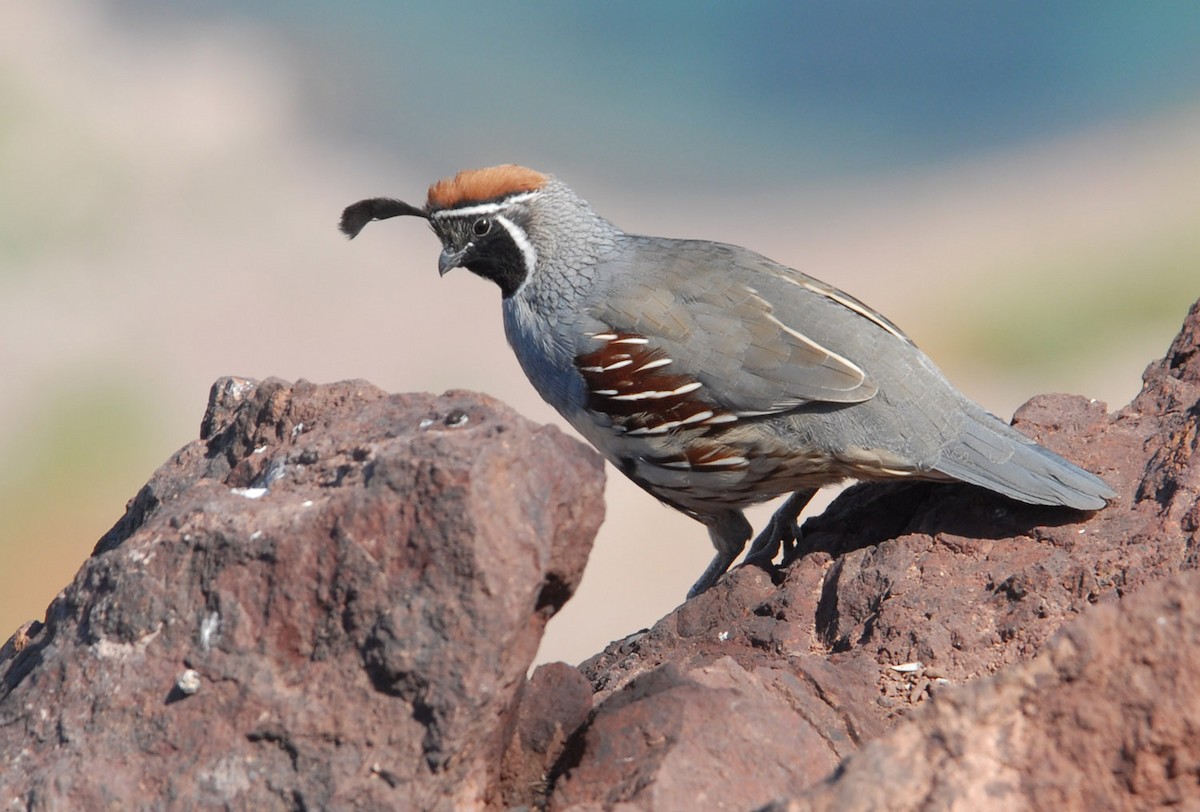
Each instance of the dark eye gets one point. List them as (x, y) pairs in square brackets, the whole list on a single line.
[(481, 227)]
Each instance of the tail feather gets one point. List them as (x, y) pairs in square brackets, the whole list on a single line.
[(993, 455)]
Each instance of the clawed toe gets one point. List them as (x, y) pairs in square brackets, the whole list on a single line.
[(762, 553), (782, 531)]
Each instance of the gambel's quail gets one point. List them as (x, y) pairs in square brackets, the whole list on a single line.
[(711, 376)]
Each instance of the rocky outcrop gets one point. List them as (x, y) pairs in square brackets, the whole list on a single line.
[(331, 599), (1104, 718), (328, 601), (765, 689)]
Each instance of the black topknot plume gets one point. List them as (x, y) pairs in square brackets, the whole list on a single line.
[(357, 215)]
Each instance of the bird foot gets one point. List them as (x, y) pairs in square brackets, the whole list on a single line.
[(782, 531), (778, 534), (711, 575)]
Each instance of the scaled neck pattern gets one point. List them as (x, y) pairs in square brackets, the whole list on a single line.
[(541, 317), (570, 240)]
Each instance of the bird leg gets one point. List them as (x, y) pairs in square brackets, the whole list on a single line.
[(729, 531), (782, 529)]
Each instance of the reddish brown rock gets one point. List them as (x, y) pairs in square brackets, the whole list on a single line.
[(1104, 718), (928, 646), (328, 601), (554, 704), (899, 593)]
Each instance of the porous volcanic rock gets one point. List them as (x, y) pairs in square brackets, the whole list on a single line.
[(1105, 717), (759, 689), (926, 646), (328, 601)]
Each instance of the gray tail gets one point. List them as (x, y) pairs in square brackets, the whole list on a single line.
[(993, 455)]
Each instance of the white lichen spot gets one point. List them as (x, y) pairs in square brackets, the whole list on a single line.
[(208, 629), (250, 493), (306, 503), (425, 423), (723, 636), (141, 556), (908, 668), (260, 449), (108, 650), (188, 682), (226, 778), (256, 535)]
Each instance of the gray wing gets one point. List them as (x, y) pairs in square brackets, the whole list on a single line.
[(764, 339), (760, 337)]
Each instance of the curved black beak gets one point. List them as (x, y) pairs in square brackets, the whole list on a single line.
[(448, 260)]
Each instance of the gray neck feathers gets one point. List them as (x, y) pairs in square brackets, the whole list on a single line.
[(569, 238)]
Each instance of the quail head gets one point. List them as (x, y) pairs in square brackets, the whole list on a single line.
[(711, 376)]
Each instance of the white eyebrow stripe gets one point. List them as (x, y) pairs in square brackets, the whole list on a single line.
[(485, 208)]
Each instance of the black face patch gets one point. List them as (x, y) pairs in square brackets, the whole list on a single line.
[(498, 258), (493, 254)]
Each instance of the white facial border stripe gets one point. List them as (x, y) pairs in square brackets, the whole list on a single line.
[(522, 241)]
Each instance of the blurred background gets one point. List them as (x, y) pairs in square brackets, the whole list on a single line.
[(1016, 184)]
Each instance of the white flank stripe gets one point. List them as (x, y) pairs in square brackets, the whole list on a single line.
[(656, 395), (604, 336), (633, 340), (721, 418), (661, 428), (677, 464), (606, 391), (727, 462), (661, 362), (617, 365)]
